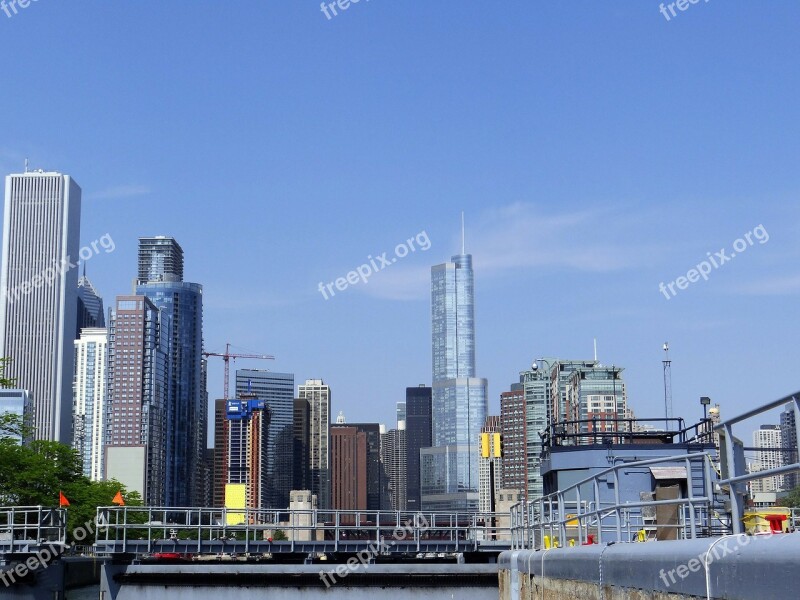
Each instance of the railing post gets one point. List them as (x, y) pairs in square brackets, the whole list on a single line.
[(618, 508), (689, 486), (736, 509), (598, 511)]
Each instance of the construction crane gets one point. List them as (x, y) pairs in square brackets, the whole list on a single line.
[(227, 356)]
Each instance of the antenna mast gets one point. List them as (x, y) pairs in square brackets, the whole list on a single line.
[(463, 244), (667, 383)]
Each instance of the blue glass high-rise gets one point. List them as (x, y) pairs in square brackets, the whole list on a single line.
[(161, 262), (449, 470)]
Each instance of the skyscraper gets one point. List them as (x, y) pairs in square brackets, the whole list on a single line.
[(277, 464), (318, 396), (513, 426), (90, 306), (160, 259), (769, 438), (160, 279), (393, 457), (89, 406), (418, 436), (490, 463), (301, 429), (789, 444), (220, 471), (459, 403), (139, 377), (348, 468), (246, 432), (38, 294), (373, 437), (585, 396)]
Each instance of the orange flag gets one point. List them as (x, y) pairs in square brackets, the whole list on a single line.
[(118, 499), (62, 499)]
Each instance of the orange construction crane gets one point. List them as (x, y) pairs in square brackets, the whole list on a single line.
[(227, 356)]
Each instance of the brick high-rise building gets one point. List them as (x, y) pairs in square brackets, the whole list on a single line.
[(348, 468), (513, 427)]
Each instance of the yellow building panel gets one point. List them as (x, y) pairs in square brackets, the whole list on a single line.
[(235, 500)]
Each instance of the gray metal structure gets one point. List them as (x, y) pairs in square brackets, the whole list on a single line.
[(202, 531)]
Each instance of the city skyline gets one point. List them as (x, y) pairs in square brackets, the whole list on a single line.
[(575, 211)]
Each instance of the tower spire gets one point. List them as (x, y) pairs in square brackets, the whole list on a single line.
[(463, 244)]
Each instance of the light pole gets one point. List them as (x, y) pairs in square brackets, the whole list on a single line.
[(705, 401)]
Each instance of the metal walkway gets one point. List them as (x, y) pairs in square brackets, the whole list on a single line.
[(223, 532)]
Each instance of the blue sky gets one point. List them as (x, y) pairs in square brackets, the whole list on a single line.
[(596, 148)]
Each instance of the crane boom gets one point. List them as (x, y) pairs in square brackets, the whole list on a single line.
[(227, 356)]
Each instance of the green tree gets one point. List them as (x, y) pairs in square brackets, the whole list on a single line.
[(791, 500)]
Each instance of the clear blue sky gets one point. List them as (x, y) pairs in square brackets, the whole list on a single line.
[(596, 148)]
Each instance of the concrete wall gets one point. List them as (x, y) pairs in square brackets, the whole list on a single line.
[(300, 582), (728, 568)]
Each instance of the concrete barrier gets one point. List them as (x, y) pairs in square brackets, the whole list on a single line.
[(730, 568)]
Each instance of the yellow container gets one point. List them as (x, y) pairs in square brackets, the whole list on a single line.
[(755, 521)]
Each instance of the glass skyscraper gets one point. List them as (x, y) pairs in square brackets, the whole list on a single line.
[(160, 279), (449, 479), (276, 461)]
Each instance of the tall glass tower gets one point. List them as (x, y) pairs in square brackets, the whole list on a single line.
[(277, 457), (160, 279), (449, 470)]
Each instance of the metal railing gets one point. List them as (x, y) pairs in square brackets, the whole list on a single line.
[(25, 528), (199, 530), (599, 515), (734, 473)]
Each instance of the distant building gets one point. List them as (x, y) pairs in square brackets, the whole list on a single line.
[(160, 259), (89, 404), (401, 411), (160, 278), (246, 430), (39, 294), (348, 468), (17, 402), (769, 438), (513, 428), (449, 478), (277, 463), (789, 444), (90, 306), (372, 431), (220, 467), (490, 465), (577, 397), (418, 436), (318, 396), (301, 443), (139, 375), (393, 457)]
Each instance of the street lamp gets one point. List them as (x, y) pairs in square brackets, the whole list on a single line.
[(705, 401)]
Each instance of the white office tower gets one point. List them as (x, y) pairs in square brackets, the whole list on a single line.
[(38, 294), (89, 405), (318, 395)]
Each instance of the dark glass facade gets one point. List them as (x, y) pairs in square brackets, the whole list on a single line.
[(277, 468), (418, 436)]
